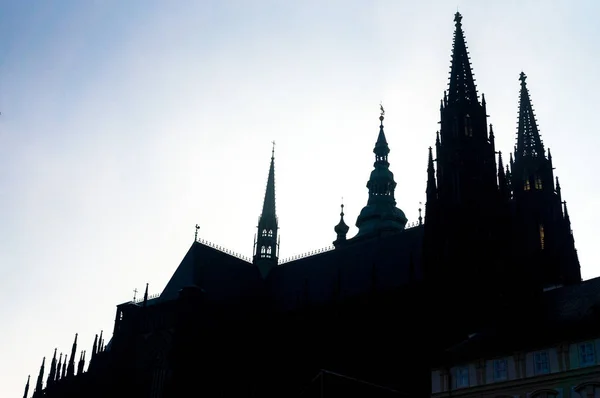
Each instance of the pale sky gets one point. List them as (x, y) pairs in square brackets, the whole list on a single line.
[(125, 123)]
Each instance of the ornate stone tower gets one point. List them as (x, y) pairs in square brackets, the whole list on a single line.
[(466, 220), (381, 215), (543, 232), (266, 244)]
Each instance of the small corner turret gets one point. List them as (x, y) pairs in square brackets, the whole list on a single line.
[(266, 245), (381, 214), (341, 230)]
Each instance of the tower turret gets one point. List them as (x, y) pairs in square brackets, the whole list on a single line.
[(341, 229), (52, 372), (27, 387), (381, 215), (71, 365), (266, 245), (544, 239), (40, 380)]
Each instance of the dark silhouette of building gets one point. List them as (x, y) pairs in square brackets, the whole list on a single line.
[(379, 309)]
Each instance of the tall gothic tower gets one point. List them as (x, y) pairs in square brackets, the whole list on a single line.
[(266, 244), (466, 217), (380, 215), (543, 233)]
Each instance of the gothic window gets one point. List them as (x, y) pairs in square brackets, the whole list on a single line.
[(462, 377), (542, 237), (468, 126), (263, 250), (500, 370), (538, 183), (264, 232), (269, 251), (541, 364), (270, 232), (544, 393), (587, 355), (527, 186)]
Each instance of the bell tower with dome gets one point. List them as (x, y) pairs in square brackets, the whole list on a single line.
[(381, 215)]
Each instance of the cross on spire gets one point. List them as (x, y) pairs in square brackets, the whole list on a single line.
[(134, 293)]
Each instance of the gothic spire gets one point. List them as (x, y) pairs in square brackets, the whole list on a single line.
[(266, 244), (380, 213), (341, 229), (71, 366), (431, 185), (269, 202), (529, 143), (81, 363), (59, 368), (462, 84), (39, 385), (27, 387), (52, 372)]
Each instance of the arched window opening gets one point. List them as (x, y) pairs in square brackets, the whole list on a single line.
[(588, 389), (544, 393), (542, 236), (462, 377), (270, 232), (527, 186), (468, 126), (263, 250), (264, 232), (538, 183)]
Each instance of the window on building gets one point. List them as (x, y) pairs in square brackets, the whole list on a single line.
[(542, 237), (587, 354), (527, 186), (269, 252), (264, 232), (538, 183), (500, 370), (462, 377), (263, 250), (270, 232), (468, 126), (541, 363)]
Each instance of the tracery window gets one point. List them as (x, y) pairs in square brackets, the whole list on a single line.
[(538, 183), (264, 232), (527, 186), (270, 232), (542, 237), (468, 126)]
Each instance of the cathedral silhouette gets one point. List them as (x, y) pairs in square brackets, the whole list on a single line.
[(372, 315)]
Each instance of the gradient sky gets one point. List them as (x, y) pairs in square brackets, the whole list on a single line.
[(125, 123)]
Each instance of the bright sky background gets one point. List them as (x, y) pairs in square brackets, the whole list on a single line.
[(125, 123)]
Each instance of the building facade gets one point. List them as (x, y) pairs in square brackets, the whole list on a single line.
[(363, 310)]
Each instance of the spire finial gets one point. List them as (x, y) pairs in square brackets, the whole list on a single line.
[(196, 233), (522, 78), (273, 150), (420, 213), (457, 18), (342, 206), (382, 113)]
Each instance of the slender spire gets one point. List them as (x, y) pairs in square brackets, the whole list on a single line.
[(39, 385), (341, 229), (71, 365), (431, 185), (52, 373), (269, 202), (64, 367), (27, 387), (146, 296), (462, 84), (59, 368), (81, 363), (381, 212), (502, 179), (266, 244), (529, 143)]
